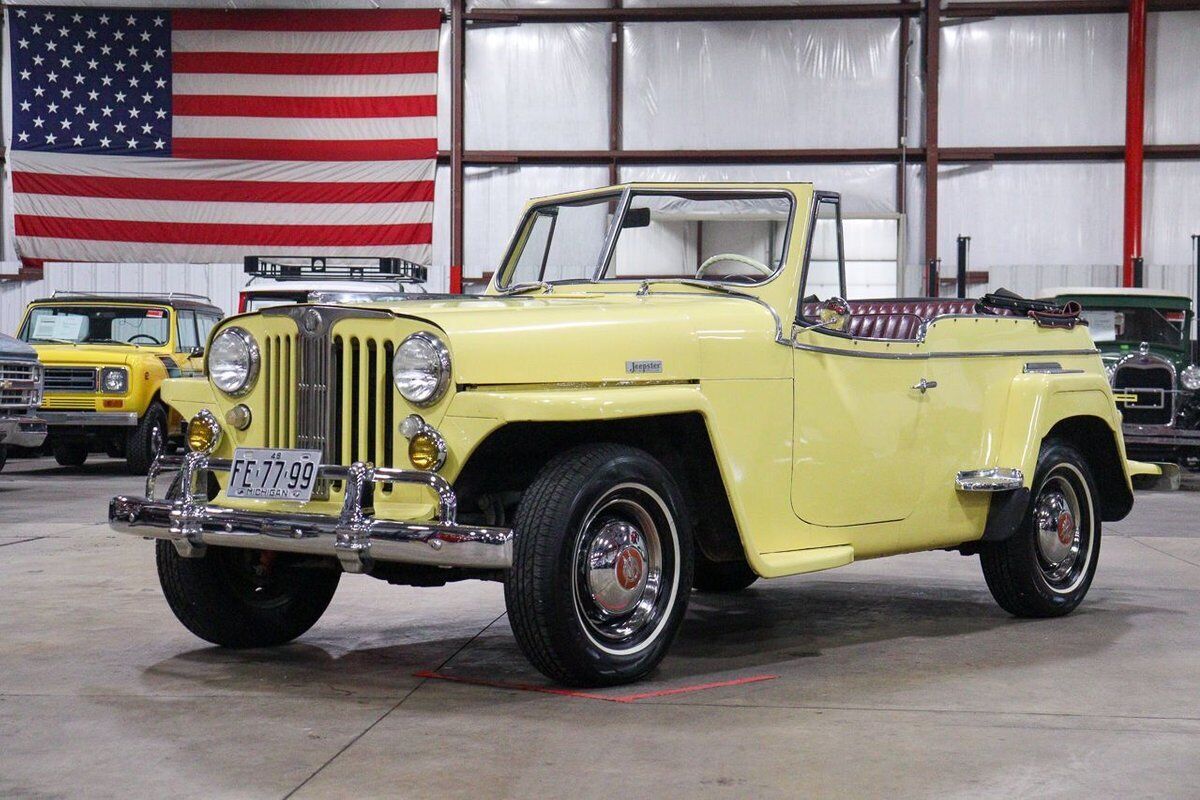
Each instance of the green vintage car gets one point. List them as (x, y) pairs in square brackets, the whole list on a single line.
[(1145, 340)]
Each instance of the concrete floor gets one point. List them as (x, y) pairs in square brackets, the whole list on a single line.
[(894, 678)]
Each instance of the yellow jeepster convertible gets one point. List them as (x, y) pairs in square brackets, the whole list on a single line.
[(664, 390)]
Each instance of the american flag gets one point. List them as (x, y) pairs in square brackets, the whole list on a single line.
[(203, 136)]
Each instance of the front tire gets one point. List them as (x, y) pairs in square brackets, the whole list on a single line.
[(146, 441), (71, 454), (602, 566), (1046, 567), (240, 598)]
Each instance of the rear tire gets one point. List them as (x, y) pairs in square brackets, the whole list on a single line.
[(70, 454), (146, 441), (241, 598), (602, 566), (1046, 567), (721, 577)]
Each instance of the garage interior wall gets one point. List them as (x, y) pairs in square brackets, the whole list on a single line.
[(1008, 81)]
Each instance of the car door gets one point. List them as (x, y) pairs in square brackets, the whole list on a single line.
[(187, 342), (857, 403)]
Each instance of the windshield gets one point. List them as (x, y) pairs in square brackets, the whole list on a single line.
[(719, 236), (1136, 325), (77, 324)]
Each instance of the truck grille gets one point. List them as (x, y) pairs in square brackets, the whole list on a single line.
[(1153, 384), (71, 379), (19, 384), (331, 393)]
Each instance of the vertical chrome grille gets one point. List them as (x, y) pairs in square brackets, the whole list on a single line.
[(1153, 383), (364, 371)]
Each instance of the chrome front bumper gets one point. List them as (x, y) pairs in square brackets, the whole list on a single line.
[(90, 419), (186, 518), (22, 431)]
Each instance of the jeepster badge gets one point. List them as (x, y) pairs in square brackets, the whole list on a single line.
[(643, 367)]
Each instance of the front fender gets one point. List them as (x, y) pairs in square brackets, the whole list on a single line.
[(188, 396)]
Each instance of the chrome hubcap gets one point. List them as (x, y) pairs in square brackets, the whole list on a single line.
[(1060, 534), (624, 582), (156, 440), (616, 567)]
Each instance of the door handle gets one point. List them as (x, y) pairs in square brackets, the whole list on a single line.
[(923, 385)]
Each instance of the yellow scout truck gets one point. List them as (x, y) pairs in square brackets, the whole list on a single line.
[(106, 357), (664, 389)]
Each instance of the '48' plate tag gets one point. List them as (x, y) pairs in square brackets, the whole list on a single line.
[(265, 473)]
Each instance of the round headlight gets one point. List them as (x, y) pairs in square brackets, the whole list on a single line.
[(115, 379), (421, 369), (233, 361), (1190, 377)]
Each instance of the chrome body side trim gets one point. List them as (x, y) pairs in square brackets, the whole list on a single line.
[(992, 479), (836, 351), (354, 537), (89, 419), (1048, 368)]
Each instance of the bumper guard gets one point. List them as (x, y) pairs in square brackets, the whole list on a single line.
[(357, 539)]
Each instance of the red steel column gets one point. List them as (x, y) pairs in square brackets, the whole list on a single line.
[(458, 25), (1135, 117)]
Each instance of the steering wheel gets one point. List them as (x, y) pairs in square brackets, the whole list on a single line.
[(143, 336), (737, 257)]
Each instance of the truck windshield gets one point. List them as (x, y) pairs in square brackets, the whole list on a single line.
[(80, 324), (1136, 325), (719, 236)]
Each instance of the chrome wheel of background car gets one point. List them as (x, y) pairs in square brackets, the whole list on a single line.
[(1063, 530), (625, 579), (156, 441)]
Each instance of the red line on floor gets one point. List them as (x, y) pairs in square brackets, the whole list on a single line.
[(626, 698)]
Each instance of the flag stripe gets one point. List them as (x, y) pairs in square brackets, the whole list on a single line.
[(305, 150), (290, 20), (221, 191), (189, 211), (300, 42), (304, 63), (216, 105), (51, 249), (312, 85), (348, 129), (118, 166), (200, 233)]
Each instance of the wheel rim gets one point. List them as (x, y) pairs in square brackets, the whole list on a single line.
[(1063, 532), (156, 440), (254, 576), (625, 569)]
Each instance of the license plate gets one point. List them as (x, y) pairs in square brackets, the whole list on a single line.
[(270, 474)]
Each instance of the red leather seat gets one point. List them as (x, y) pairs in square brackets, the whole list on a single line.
[(900, 318)]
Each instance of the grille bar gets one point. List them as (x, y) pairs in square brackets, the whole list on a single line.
[(71, 379), (19, 382)]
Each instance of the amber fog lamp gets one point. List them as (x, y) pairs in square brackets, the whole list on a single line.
[(426, 447), (239, 416), (203, 433)]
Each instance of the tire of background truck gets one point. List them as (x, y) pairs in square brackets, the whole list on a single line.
[(1046, 567), (602, 566), (239, 598), (3, 456), (146, 441), (70, 454), (720, 577)]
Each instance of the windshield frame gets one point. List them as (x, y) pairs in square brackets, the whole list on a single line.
[(168, 316), (1183, 327), (612, 235)]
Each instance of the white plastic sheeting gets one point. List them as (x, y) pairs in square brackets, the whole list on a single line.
[(1061, 213), (761, 85), (1047, 80), (537, 86), (1172, 96), (1172, 211)]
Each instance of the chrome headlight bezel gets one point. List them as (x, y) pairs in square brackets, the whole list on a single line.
[(1189, 377), (252, 359), (108, 372), (436, 365)]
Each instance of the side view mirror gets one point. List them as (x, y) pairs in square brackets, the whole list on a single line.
[(196, 352), (833, 314)]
